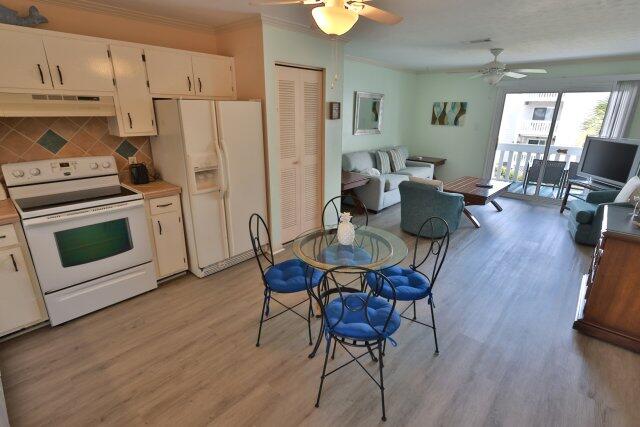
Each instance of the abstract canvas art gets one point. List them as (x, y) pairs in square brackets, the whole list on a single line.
[(448, 113)]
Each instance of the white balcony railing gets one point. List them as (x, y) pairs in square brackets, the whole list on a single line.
[(535, 127), (512, 160)]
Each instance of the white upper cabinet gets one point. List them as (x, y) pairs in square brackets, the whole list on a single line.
[(23, 63), (135, 103), (214, 76), (169, 72), (79, 64)]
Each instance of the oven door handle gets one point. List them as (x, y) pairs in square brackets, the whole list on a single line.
[(68, 216)]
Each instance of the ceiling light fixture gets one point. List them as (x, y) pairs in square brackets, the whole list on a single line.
[(334, 18)]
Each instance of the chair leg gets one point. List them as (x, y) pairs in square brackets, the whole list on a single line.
[(433, 322), (324, 371), (381, 364), (414, 311), (264, 304), (373, 356), (309, 314), (333, 353)]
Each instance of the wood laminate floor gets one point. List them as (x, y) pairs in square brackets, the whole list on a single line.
[(185, 354)]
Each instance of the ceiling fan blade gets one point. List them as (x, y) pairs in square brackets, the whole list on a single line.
[(274, 2), (530, 70), (378, 15), (514, 75)]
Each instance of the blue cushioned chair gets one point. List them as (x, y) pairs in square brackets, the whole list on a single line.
[(585, 217), (286, 277), (411, 284), (356, 319), (420, 201)]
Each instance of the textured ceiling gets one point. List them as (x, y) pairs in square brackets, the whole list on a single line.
[(434, 32)]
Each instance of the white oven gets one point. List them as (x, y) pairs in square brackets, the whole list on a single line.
[(74, 247)]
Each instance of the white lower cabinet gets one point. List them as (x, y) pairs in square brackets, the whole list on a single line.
[(20, 298), (4, 417), (168, 235)]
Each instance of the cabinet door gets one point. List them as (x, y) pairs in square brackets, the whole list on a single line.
[(23, 64), (214, 76), (169, 72), (170, 247), (18, 303), (79, 64), (136, 105)]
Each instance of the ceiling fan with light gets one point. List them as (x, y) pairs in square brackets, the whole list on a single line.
[(495, 70), (336, 17)]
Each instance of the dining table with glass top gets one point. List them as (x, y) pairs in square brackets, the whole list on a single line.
[(372, 248)]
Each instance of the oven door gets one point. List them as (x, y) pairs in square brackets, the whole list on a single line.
[(77, 246)]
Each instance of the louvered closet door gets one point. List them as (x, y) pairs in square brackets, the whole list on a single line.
[(300, 118)]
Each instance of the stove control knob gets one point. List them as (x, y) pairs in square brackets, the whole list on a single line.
[(93, 165), (106, 165), (35, 171), (18, 173)]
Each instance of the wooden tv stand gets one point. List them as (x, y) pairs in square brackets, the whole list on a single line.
[(609, 302)]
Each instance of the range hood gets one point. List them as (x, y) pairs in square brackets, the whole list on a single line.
[(39, 105)]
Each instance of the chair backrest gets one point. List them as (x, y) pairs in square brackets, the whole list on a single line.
[(353, 300), (345, 203), (553, 172), (435, 251), (261, 239), (573, 170)]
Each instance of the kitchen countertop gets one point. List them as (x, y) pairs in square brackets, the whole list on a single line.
[(8, 212), (155, 189)]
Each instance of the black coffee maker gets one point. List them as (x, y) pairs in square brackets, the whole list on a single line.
[(139, 173)]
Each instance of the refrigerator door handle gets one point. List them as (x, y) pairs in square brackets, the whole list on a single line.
[(222, 169)]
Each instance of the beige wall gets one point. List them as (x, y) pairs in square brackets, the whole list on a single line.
[(244, 43), (88, 23)]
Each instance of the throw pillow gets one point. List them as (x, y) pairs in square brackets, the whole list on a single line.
[(630, 189), (382, 162), (398, 161), (426, 181)]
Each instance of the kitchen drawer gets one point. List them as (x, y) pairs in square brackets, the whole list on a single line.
[(164, 204), (8, 236)]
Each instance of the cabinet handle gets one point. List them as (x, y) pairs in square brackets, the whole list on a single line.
[(164, 205), (60, 75), (200, 83), (160, 228), (189, 82), (41, 74), (3, 236), (13, 260), (130, 120)]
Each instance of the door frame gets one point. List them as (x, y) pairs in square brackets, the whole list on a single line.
[(542, 85), (277, 64)]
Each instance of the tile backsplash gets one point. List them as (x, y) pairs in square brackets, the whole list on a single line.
[(42, 138)]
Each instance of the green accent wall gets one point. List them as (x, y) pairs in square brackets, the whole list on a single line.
[(398, 107), (283, 46)]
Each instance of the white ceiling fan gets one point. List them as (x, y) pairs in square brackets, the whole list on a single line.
[(339, 16), (495, 70)]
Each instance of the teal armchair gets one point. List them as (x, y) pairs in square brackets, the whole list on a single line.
[(418, 202), (585, 218)]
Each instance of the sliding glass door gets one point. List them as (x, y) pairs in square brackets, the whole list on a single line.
[(540, 139)]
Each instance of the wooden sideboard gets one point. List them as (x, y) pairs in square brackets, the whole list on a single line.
[(609, 302)]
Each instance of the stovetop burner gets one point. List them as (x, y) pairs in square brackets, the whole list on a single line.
[(30, 204)]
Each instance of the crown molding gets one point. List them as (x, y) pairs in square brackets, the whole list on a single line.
[(381, 64), (239, 25), (92, 6)]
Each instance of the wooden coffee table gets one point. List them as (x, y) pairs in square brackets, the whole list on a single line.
[(474, 195)]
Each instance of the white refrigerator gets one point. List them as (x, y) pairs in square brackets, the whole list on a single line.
[(215, 152)]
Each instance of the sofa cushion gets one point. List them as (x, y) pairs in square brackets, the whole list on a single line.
[(397, 159), (383, 163), (581, 211), (392, 180), (358, 161), (418, 171)]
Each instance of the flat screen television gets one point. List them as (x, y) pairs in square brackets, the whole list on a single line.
[(610, 161)]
